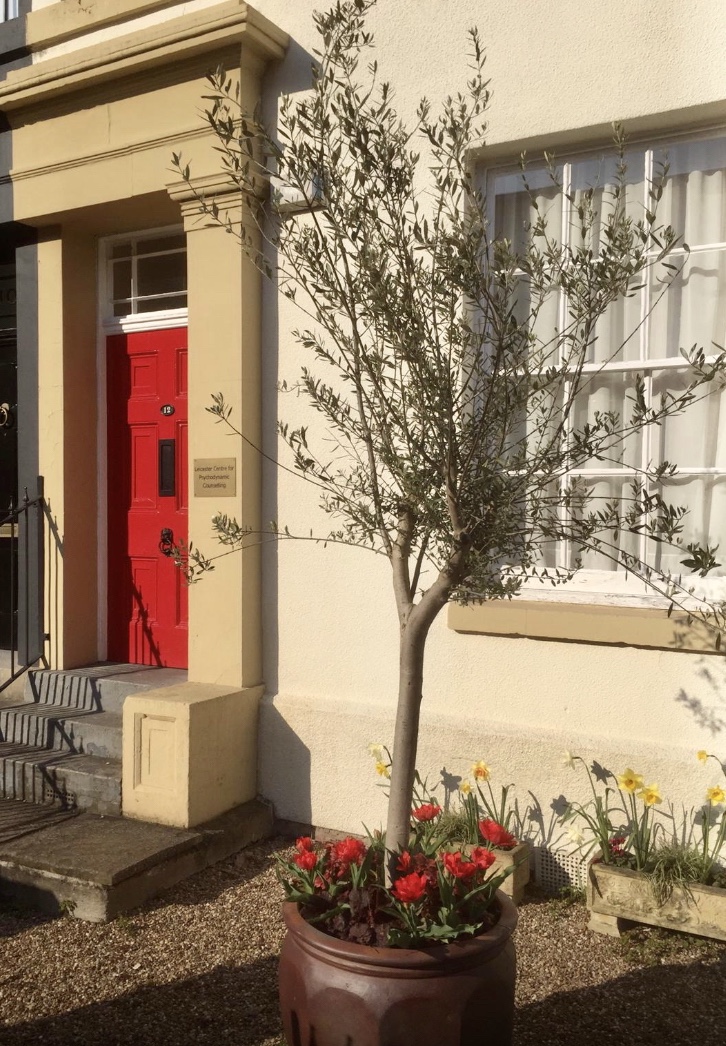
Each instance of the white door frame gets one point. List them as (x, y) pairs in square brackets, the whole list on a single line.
[(109, 324)]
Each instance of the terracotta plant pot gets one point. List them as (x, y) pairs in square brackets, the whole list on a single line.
[(333, 993), (618, 897)]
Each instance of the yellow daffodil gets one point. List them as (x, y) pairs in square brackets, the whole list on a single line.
[(376, 751), (465, 787), (568, 760), (702, 756), (650, 795), (716, 795), (481, 771), (382, 769), (629, 781)]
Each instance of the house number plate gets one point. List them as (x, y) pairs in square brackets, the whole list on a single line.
[(167, 409)]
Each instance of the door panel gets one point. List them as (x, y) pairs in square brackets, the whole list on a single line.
[(147, 433)]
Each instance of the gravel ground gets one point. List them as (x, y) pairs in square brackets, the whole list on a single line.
[(197, 967)]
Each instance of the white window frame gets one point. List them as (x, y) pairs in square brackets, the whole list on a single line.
[(617, 588), (9, 9), (137, 317)]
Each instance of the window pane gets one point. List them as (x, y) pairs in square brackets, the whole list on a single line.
[(599, 174), (599, 395), (692, 310), (540, 313), (547, 502), (161, 243), (515, 210), (121, 280), (161, 275), (705, 522), (694, 197), (537, 426), (121, 250), (177, 301), (617, 332), (603, 492), (697, 437)]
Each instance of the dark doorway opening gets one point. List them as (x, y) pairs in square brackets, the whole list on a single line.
[(8, 436)]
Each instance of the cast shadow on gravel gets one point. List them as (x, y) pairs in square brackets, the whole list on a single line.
[(674, 1005), (206, 885), (235, 1005), (19, 920), (677, 1005)]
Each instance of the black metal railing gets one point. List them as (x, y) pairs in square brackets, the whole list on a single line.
[(22, 531)]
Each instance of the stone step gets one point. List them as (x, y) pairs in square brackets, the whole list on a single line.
[(67, 779), (62, 746), (64, 730), (95, 688), (19, 819), (97, 867)]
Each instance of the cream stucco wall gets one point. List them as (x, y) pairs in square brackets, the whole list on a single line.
[(89, 154), (561, 71)]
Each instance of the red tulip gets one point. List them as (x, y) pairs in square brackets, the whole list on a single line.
[(496, 834), (409, 888), (458, 867), (427, 812)]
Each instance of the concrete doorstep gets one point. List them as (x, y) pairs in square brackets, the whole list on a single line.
[(97, 867)]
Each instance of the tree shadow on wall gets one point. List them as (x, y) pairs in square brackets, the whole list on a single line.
[(709, 712)]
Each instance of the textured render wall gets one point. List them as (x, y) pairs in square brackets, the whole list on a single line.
[(560, 70)]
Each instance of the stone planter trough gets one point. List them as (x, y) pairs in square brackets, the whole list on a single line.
[(618, 897)]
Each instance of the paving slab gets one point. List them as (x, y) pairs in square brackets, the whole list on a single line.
[(97, 867), (104, 850)]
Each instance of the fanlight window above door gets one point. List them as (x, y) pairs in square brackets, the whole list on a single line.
[(148, 274)]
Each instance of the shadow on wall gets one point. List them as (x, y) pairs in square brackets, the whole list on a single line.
[(289, 77), (285, 765), (710, 713)]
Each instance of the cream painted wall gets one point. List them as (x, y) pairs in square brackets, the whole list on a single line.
[(561, 71), (143, 21)]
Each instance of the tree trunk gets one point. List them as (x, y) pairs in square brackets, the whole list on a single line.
[(415, 623), (405, 740)]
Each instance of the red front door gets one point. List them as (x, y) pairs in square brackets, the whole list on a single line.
[(147, 496)]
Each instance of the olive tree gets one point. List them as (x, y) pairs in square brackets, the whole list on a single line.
[(450, 403)]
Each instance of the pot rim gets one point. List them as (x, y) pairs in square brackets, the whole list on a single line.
[(458, 954)]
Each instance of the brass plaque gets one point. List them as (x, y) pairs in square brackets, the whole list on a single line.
[(215, 477)]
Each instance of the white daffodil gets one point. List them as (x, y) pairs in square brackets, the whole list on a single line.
[(376, 751), (575, 835), (569, 760)]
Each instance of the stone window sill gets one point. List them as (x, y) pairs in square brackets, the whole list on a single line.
[(584, 623)]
